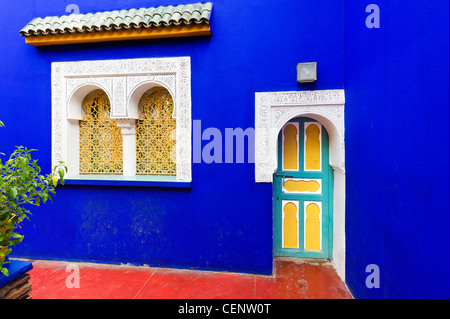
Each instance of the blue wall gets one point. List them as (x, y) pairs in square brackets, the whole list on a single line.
[(396, 83), (227, 226)]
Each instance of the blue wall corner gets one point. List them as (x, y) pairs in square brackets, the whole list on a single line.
[(397, 129)]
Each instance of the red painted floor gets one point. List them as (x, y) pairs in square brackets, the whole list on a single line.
[(291, 280)]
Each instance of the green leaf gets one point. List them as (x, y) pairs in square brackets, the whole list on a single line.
[(4, 271), (16, 239), (44, 197), (13, 192), (24, 161), (61, 175), (24, 174)]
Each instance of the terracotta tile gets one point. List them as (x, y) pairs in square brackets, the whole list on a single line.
[(300, 280), (177, 284), (96, 281)]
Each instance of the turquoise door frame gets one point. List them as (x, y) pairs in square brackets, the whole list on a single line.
[(325, 197)]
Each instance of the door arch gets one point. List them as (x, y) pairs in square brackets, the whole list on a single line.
[(303, 191)]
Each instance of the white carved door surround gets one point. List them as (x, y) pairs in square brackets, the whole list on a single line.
[(272, 111)]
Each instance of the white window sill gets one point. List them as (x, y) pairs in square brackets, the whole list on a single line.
[(119, 180)]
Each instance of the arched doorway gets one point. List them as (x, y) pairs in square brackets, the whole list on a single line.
[(303, 191), (272, 111)]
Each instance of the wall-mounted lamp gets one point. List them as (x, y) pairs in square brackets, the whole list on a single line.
[(307, 72)]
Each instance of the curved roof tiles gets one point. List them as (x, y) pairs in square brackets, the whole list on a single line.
[(197, 13)]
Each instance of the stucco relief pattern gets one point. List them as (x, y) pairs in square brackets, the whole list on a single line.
[(119, 78), (274, 109)]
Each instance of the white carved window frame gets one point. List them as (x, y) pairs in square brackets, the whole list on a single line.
[(124, 81), (272, 111)]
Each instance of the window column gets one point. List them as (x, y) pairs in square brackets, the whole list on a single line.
[(128, 127)]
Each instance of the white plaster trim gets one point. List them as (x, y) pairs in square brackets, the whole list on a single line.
[(71, 81), (128, 129), (274, 109)]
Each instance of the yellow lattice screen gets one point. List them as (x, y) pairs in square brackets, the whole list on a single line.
[(155, 134), (100, 138)]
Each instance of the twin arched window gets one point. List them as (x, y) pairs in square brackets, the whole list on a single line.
[(101, 142)]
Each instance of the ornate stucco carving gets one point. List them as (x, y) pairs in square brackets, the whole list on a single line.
[(274, 109)]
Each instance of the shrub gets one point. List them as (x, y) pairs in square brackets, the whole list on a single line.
[(22, 185)]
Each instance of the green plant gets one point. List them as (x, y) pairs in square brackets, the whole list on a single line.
[(22, 185)]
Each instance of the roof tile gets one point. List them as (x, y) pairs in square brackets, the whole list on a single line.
[(117, 20)]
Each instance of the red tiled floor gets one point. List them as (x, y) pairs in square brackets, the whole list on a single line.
[(291, 280), (301, 281)]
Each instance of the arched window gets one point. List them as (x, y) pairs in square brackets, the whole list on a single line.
[(155, 134), (100, 138), (143, 157)]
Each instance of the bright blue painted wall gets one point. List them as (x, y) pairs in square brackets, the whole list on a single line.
[(396, 83), (224, 221)]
